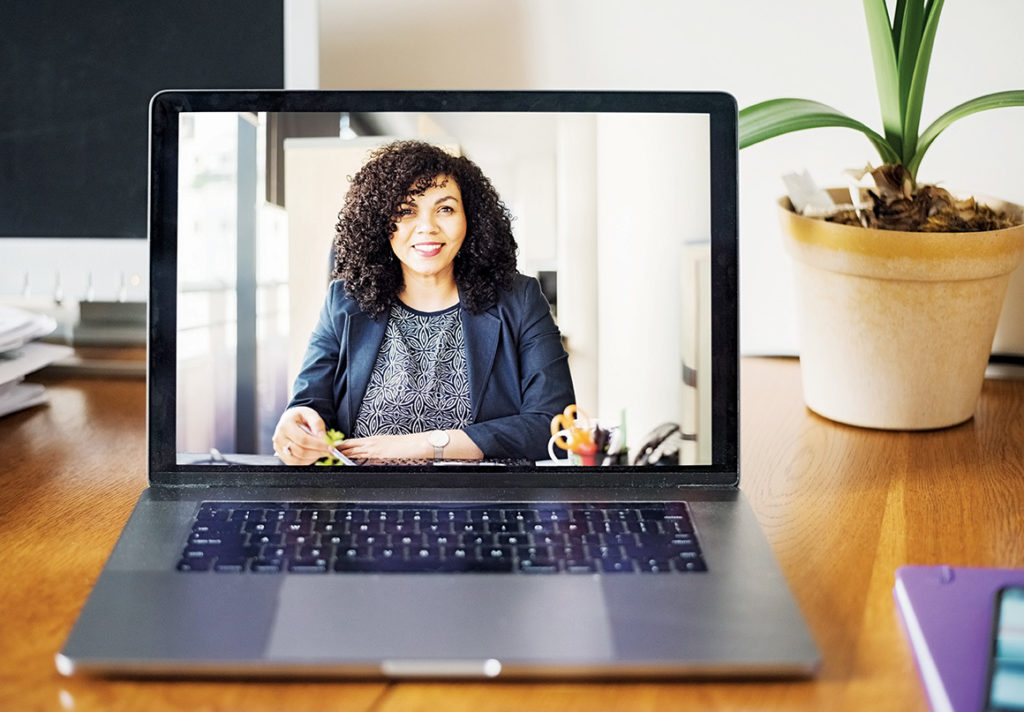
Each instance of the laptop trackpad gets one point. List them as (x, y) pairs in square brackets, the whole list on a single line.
[(388, 617)]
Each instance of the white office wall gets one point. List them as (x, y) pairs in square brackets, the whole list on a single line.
[(316, 181), (301, 44), (640, 260), (754, 49)]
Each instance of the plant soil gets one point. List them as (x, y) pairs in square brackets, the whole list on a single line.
[(897, 204)]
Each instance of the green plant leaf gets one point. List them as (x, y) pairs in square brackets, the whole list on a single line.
[(897, 25), (915, 99), (982, 103), (779, 116), (911, 28), (883, 55)]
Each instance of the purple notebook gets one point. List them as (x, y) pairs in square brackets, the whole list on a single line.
[(947, 612)]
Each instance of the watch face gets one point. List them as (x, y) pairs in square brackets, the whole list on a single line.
[(438, 438)]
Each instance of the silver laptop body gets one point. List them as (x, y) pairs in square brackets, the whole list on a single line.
[(630, 199)]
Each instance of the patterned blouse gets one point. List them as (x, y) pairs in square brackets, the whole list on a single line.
[(419, 381)]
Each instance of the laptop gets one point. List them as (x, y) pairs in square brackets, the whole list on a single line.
[(634, 556)]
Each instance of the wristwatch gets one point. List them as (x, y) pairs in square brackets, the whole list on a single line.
[(438, 438)]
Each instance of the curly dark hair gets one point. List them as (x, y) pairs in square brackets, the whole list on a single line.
[(363, 255)]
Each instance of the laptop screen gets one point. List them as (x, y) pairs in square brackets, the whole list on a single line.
[(548, 278)]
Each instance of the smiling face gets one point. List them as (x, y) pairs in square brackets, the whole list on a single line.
[(429, 230)]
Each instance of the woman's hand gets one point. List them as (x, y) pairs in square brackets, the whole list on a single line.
[(414, 446), (299, 437), (387, 447)]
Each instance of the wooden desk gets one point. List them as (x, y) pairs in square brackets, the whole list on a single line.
[(842, 508)]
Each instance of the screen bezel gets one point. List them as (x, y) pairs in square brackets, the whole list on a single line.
[(165, 109)]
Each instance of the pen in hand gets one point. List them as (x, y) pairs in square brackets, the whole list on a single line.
[(334, 452)]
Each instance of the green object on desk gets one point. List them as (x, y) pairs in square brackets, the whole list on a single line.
[(333, 438)]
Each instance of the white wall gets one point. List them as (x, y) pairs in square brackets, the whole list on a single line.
[(316, 181), (640, 252), (301, 44), (754, 49)]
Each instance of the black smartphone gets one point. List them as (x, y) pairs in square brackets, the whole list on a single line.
[(1005, 690)]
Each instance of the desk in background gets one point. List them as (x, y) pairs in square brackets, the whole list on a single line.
[(842, 508)]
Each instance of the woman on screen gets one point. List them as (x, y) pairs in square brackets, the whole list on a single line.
[(430, 344)]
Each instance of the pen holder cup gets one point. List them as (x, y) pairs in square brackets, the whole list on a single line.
[(603, 439), (561, 434)]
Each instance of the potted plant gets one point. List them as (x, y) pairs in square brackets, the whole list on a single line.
[(898, 299)]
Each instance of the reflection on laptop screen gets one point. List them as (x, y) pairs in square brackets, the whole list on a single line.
[(611, 218)]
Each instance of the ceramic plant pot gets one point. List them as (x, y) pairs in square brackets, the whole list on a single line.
[(896, 327)]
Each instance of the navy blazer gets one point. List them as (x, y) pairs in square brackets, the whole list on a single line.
[(518, 371)]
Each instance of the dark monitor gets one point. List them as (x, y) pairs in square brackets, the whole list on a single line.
[(76, 83)]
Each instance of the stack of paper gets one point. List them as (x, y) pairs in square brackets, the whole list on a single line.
[(20, 355)]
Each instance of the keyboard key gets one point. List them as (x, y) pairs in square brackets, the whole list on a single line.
[(522, 515), (230, 564), (266, 565), (553, 515), (251, 527), (512, 539), (357, 516), (588, 515), (459, 553), (612, 526), (657, 566), (267, 539), (308, 566), (314, 552), (513, 527), (366, 539), (210, 514), (476, 539), (692, 565), (453, 515), (683, 542), (580, 566), (536, 567), (441, 540), (247, 515), (595, 551), (620, 566), (651, 513), (205, 540), (302, 539), (437, 528), (217, 527), (383, 515), (421, 516)]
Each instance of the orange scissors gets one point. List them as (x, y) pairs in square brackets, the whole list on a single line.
[(571, 430)]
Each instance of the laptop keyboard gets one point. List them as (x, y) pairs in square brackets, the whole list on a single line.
[(534, 538)]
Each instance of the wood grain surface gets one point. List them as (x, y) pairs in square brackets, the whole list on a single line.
[(842, 508)]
